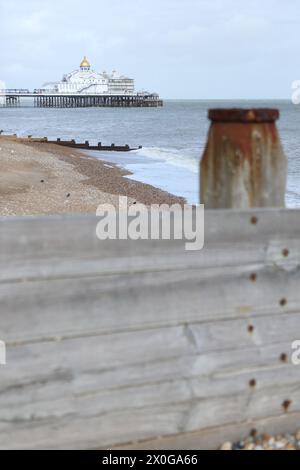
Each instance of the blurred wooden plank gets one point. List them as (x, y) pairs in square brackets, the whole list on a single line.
[(101, 420), (74, 237), (62, 307), (89, 365), (56, 390), (112, 360)]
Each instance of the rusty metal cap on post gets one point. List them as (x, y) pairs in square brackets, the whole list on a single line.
[(243, 115)]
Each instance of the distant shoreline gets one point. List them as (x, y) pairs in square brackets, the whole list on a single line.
[(40, 178)]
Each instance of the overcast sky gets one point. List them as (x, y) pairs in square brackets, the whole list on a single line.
[(179, 48)]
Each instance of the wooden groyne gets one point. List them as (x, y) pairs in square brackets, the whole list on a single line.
[(73, 144), (141, 341), (86, 145)]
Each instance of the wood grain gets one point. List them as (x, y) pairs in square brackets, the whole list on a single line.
[(120, 341)]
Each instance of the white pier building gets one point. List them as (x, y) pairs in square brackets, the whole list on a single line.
[(87, 81)]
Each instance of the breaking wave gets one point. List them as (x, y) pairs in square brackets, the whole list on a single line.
[(176, 157)]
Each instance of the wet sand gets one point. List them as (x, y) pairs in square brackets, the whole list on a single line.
[(41, 178)]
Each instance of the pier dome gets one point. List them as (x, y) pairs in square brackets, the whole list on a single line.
[(85, 64)]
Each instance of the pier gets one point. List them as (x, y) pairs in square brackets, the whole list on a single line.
[(83, 88), (15, 98)]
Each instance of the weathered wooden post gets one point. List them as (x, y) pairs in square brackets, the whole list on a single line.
[(243, 164)]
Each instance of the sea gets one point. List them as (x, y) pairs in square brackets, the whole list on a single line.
[(172, 138)]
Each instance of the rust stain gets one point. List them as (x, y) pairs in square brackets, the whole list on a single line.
[(243, 115), (244, 309)]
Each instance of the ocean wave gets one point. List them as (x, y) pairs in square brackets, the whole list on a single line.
[(172, 156)]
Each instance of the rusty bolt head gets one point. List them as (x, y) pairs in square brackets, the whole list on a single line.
[(252, 383), (283, 357), (286, 405)]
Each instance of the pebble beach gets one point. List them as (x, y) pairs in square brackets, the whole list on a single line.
[(266, 442), (39, 179)]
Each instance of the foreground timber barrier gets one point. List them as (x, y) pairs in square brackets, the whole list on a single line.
[(119, 341)]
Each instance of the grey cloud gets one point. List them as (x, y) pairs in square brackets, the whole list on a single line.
[(182, 49)]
